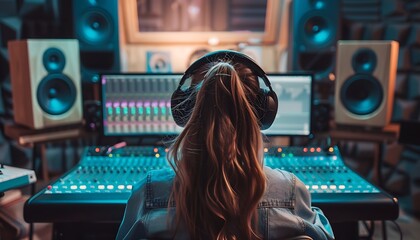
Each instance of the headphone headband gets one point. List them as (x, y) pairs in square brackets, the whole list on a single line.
[(223, 55), (266, 103)]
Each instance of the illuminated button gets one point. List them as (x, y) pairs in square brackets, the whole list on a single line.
[(324, 187), (312, 149), (315, 187), (49, 187), (307, 187), (73, 187), (101, 187), (334, 158), (121, 187), (110, 187), (155, 150), (97, 150), (157, 155), (129, 187), (265, 150), (318, 149), (305, 149), (279, 149), (333, 187), (83, 187), (330, 149)]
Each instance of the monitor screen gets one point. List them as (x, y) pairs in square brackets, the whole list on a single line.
[(294, 93), (139, 104)]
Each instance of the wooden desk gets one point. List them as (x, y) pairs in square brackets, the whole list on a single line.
[(380, 137), (36, 139)]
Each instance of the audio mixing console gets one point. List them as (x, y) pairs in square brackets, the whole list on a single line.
[(100, 185)]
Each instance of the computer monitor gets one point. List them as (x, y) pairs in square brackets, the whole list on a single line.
[(294, 93), (138, 104)]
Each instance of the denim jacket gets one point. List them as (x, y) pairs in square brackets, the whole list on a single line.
[(285, 209)]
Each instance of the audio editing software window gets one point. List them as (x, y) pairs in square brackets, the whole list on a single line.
[(294, 92), (138, 104)]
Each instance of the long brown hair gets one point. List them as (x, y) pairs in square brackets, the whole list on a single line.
[(218, 156)]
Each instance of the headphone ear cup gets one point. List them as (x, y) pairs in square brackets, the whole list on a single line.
[(267, 109), (182, 104)]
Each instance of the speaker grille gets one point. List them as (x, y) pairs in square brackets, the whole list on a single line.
[(364, 61), (54, 60), (318, 31), (361, 94), (96, 26), (56, 94)]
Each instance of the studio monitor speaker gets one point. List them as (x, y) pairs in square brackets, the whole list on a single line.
[(314, 31), (45, 79), (96, 27), (365, 82)]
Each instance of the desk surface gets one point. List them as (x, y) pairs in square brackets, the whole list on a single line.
[(387, 134), (26, 136)]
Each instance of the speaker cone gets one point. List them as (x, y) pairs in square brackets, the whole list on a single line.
[(364, 61), (361, 94), (316, 29), (53, 60), (96, 27), (56, 94)]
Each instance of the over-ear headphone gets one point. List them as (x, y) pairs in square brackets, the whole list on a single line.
[(182, 102)]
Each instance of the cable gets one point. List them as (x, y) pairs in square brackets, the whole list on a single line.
[(370, 229), (398, 228)]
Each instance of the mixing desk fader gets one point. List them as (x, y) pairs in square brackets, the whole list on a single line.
[(98, 187), (109, 173), (321, 171)]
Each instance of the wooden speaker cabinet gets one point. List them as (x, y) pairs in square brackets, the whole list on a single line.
[(365, 82), (46, 84)]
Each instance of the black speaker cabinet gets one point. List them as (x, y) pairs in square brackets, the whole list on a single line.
[(95, 25), (45, 78), (365, 83), (314, 31)]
